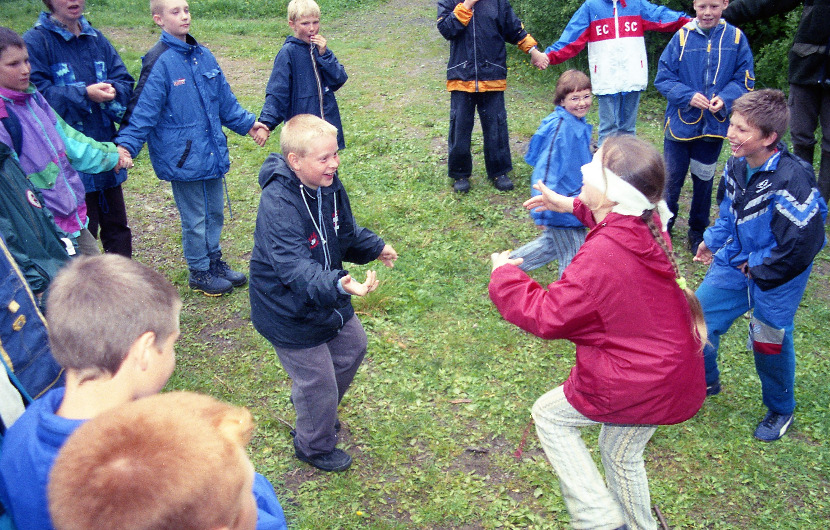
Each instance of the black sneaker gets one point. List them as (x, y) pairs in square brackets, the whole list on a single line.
[(773, 426), (694, 241), (503, 183), (209, 284), (461, 185), (219, 268), (713, 389), (334, 460)]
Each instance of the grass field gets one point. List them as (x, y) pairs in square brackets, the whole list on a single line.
[(443, 398)]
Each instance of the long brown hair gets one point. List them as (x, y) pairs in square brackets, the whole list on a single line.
[(641, 165)]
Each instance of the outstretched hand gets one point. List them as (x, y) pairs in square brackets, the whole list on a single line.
[(703, 254), (353, 287), (539, 59), (503, 258), (388, 256), (260, 133), (549, 200)]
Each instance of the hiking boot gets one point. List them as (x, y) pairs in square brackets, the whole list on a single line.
[(461, 185), (209, 284), (334, 460), (503, 183), (773, 426), (219, 268), (695, 239), (713, 389)]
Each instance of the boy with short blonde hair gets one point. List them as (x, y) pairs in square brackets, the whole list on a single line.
[(300, 291), (172, 461), (306, 73), (761, 250)]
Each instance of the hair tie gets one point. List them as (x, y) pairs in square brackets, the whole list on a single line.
[(681, 282)]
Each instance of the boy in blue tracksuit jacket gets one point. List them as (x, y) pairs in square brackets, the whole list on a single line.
[(306, 73), (705, 67), (761, 250), (180, 104), (83, 78)]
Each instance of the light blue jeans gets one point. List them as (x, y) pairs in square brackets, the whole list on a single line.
[(201, 207), (555, 243), (617, 114)]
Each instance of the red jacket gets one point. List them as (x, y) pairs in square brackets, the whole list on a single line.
[(637, 359)]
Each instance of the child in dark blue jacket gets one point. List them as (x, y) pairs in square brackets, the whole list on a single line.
[(306, 73)]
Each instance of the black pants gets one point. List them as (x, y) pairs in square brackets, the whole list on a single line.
[(493, 117), (108, 215)]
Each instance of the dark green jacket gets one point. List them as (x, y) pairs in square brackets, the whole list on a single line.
[(810, 53), (28, 227)]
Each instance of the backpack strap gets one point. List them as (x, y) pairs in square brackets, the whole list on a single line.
[(12, 125)]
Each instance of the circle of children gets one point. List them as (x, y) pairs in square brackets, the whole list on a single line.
[(105, 451)]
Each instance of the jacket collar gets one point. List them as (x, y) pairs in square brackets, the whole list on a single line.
[(13, 96), (45, 19), (188, 46)]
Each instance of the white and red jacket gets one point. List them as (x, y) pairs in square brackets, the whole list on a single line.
[(637, 360), (613, 31)]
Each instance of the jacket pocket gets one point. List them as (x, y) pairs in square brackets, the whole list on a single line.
[(185, 154)]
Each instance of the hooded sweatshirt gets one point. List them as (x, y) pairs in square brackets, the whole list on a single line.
[(637, 360), (301, 239)]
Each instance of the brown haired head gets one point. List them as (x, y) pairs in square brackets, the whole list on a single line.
[(765, 109), (9, 38), (570, 81), (98, 306), (168, 461), (636, 162)]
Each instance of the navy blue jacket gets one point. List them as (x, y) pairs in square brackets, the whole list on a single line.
[(180, 104), (301, 239), (303, 82), (63, 65)]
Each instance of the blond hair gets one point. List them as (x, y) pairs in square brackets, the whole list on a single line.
[(299, 133), (302, 8), (168, 461)]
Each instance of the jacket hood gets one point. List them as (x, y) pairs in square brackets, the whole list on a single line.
[(633, 234), (45, 19)]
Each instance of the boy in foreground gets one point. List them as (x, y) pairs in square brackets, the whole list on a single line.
[(179, 107), (760, 251), (300, 292), (111, 356), (153, 463)]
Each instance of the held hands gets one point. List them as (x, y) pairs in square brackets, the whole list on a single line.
[(260, 133), (503, 258), (703, 255), (319, 41), (124, 159), (351, 286), (388, 256), (549, 200), (539, 59), (100, 92)]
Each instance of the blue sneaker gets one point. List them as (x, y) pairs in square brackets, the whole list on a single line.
[(219, 268), (713, 389), (209, 284), (773, 426)]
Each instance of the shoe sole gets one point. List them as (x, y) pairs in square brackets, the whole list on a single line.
[(302, 458), (208, 293)]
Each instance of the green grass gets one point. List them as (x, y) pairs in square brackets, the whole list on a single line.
[(443, 398)]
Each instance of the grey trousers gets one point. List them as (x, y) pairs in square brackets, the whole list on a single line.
[(320, 376)]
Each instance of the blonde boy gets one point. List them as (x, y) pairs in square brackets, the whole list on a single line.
[(306, 73), (173, 461), (300, 291)]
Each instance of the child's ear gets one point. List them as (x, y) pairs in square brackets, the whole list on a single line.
[(770, 140), (143, 348), (157, 19), (293, 160)]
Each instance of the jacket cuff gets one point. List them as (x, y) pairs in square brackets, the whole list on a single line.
[(463, 14), (527, 43)]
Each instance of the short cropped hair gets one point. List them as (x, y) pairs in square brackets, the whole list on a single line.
[(98, 306), (570, 81), (765, 109), (157, 6), (300, 132), (9, 38), (302, 8), (167, 461)]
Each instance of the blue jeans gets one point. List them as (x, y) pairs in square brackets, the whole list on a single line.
[(617, 114), (201, 207), (555, 243), (775, 308), (493, 117), (702, 157)]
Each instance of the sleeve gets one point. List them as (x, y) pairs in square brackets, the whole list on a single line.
[(742, 11), (661, 18), (453, 18), (743, 78), (573, 38), (721, 230), (277, 92), (515, 31), (333, 72), (798, 217), (120, 79), (269, 511), (562, 311), (231, 114), (144, 110), (84, 153), (667, 80)]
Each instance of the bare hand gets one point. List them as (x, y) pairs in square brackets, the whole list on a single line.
[(699, 101), (744, 268), (715, 104), (124, 159), (549, 200), (388, 256), (319, 41), (100, 92), (260, 133), (539, 59), (503, 258), (351, 286), (703, 254), (470, 3)]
